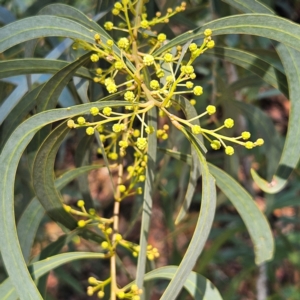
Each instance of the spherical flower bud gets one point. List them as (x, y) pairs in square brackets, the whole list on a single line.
[(121, 295), (145, 24), (113, 156), (104, 245), (92, 280), (67, 208), (210, 44), (99, 71), (90, 291), (229, 123), (207, 32), (161, 37), (100, 128), (193, 47), (189, 84), (246, 135), (81, 120), (193, 102), (196, 129), (100, 294), (134, 288), (198, 90), (94, 57), (211, 109), (148, 60), (108, 26), (142, 143), (249, 145), (168, 57), (115, 12), (118, 127), (229, 150), (160, 73), (259, 142), (119, 65), (123, 43), (109, 43), (189, 69), (139, 191), (108, 81), (149, 129), (122, 188), (80, 203), (118, 5), (90, 131), (107, 111), (111, 88), (71, 124), (136, 133), (94, 111), (123, 144), (118, 237), (169, 78), (193, 76), (154, 84), (81, 223), (142, 178), (215, 144)]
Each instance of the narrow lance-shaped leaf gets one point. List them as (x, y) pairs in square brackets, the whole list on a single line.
[(197, 285), (9, 159), (14, 67), (254, 219), (147, 197), (190, 112), (268, 72), (278, 29), (29, 223), (203, 227), (289, 56)]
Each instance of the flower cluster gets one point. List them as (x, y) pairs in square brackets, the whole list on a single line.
[(146, 75)]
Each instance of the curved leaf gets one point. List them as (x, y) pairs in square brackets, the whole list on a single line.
[(147, 198), (29, 222), (190, 112), (289, 57), (9, 159), (254, 219), (264, 25), (268, 72), (197, 285), (204, 223), (14, 67)]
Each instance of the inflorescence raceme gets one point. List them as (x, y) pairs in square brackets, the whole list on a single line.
[(129, 59)]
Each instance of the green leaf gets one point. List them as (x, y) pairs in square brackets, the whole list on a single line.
[(203, 226), (9, 159), (254, 219), (289, 57), (197, 285), (41, 26), (29, 222), (147, 198), (268, 72), (264, 25), (40, 268), (14, 67), (43, 178), (190, 113)]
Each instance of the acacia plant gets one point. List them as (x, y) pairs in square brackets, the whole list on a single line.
[(150, 91)]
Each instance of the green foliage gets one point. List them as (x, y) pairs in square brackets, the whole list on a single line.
[(127, 98)]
